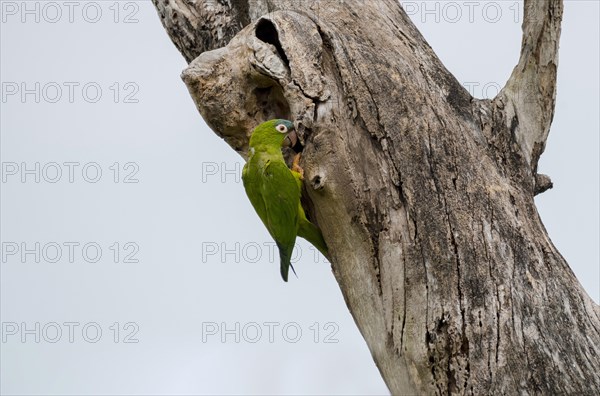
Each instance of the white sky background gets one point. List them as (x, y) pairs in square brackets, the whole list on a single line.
[(185, 204)]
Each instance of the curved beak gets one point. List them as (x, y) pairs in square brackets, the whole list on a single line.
[(290, 139)]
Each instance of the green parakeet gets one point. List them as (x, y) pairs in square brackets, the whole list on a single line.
[(274, 191)]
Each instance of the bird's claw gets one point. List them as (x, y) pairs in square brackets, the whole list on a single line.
[(296, 166)]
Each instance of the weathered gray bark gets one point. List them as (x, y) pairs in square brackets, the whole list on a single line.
[(424, 194)]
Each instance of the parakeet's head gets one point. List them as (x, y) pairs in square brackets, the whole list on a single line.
[(273, 134)]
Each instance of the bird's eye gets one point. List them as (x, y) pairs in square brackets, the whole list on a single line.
[(282, 128)]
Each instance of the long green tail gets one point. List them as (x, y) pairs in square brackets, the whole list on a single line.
[(285, 256), (312, 234)]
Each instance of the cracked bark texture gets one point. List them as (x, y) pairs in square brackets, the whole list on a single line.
[(424, 194)]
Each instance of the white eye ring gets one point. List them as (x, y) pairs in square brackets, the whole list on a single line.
[(282, 128)]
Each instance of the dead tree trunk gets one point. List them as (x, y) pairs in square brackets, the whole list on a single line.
[(424, 193)]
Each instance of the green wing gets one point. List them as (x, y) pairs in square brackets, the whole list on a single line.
[(281, 198), (275, 195)]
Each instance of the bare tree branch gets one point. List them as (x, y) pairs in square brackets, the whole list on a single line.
[(196, 26), (530, 93)]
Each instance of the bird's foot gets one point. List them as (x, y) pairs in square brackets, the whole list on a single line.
[(296, 166)]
